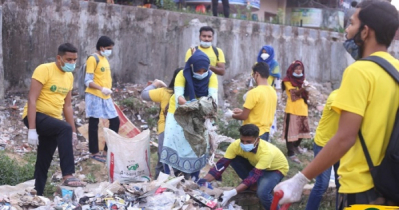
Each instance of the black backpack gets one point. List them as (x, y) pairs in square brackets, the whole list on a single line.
[(215, 50), (386, 175), (82, 74)]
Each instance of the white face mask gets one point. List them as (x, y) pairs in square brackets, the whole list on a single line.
[(106, 53), (264, 56), (205, 44)]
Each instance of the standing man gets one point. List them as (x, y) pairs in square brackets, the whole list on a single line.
[(215, 55), (367, 101), (259, 164), (260, 104), (226, 8), (50, 95)]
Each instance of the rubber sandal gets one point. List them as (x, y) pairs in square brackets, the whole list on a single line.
[(98, 158), (73, 182)]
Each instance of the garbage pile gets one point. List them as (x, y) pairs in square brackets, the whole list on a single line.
[(164, 193)]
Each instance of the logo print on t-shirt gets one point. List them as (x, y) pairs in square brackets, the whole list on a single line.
[(102, 69), (53, 88)]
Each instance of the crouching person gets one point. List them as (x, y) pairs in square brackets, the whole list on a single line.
[(259, 164), (49, 96)]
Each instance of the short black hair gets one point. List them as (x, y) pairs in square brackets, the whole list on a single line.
[(382, 17), (262, 68), (249, 130), (66, 47), (104, 41), (206, 28)]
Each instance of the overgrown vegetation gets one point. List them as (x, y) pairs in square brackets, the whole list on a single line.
[(13, 172)]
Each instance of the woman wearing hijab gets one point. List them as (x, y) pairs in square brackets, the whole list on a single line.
[(266, 54), (195, 81), (296, 125)]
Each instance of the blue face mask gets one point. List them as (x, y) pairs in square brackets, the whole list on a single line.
[(205, 44), (68, 67), (297, 75), (200, 76), (247, 147), (352, 48)]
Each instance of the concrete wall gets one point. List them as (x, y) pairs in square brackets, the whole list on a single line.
[(270, 6), (152, 43)]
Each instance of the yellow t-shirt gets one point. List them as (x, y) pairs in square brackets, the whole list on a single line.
[(162, 96), (180, 81), (56, 86), (367, 90), (267, 157), (262, 101), (297, 107), (102, 75), (211, 55), (328, 124)]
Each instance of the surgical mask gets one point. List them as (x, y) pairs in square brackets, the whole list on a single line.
[(205, 44), (297, 75), (106, 53), (352, 48), (264, 56), (200, 76), (247, 147), (68, 67)]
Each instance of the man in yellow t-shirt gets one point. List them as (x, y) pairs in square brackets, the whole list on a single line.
[(259, 164), (328, 126), (260, 104), (367, 101), (50, 96)]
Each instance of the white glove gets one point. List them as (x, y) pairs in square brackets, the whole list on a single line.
[(228, 114), (292, 188), (106, 91), (227, 195), (75, 140), (33, 138)]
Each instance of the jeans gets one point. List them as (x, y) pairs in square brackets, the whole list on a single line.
[(321, 184), (265, 136), (52, 133), (265, 184), (159, 167), (226, 8), (93, 132)]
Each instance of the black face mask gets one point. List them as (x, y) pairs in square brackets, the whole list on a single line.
[(355, 46)]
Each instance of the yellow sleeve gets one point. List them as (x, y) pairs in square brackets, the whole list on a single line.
[(188, 55), (180, 81), (353, 94), (264, 162), (72, 78), (91, 65), (276, 70), (221, 56), (213, 81), (156, 95), (251, 100), (41, 74), (231, 151), (288, 86)]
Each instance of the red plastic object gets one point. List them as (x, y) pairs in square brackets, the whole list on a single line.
[(277, 196), (200, 8)]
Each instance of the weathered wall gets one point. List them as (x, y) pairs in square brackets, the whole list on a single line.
[(152, 43)]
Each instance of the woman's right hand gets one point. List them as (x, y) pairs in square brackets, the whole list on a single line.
[(181, 100)]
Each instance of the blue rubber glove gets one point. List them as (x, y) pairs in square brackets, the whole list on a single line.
[(201, 182), (191, 101)]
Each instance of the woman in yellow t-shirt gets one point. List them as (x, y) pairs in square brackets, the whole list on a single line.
[(98, 99), (296, 125), (159, 93)]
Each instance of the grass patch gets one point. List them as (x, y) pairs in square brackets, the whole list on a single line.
[(12, 172)]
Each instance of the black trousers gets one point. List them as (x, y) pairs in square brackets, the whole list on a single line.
[(292, 147), (52, 133), (93, 132), (226, 8)]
